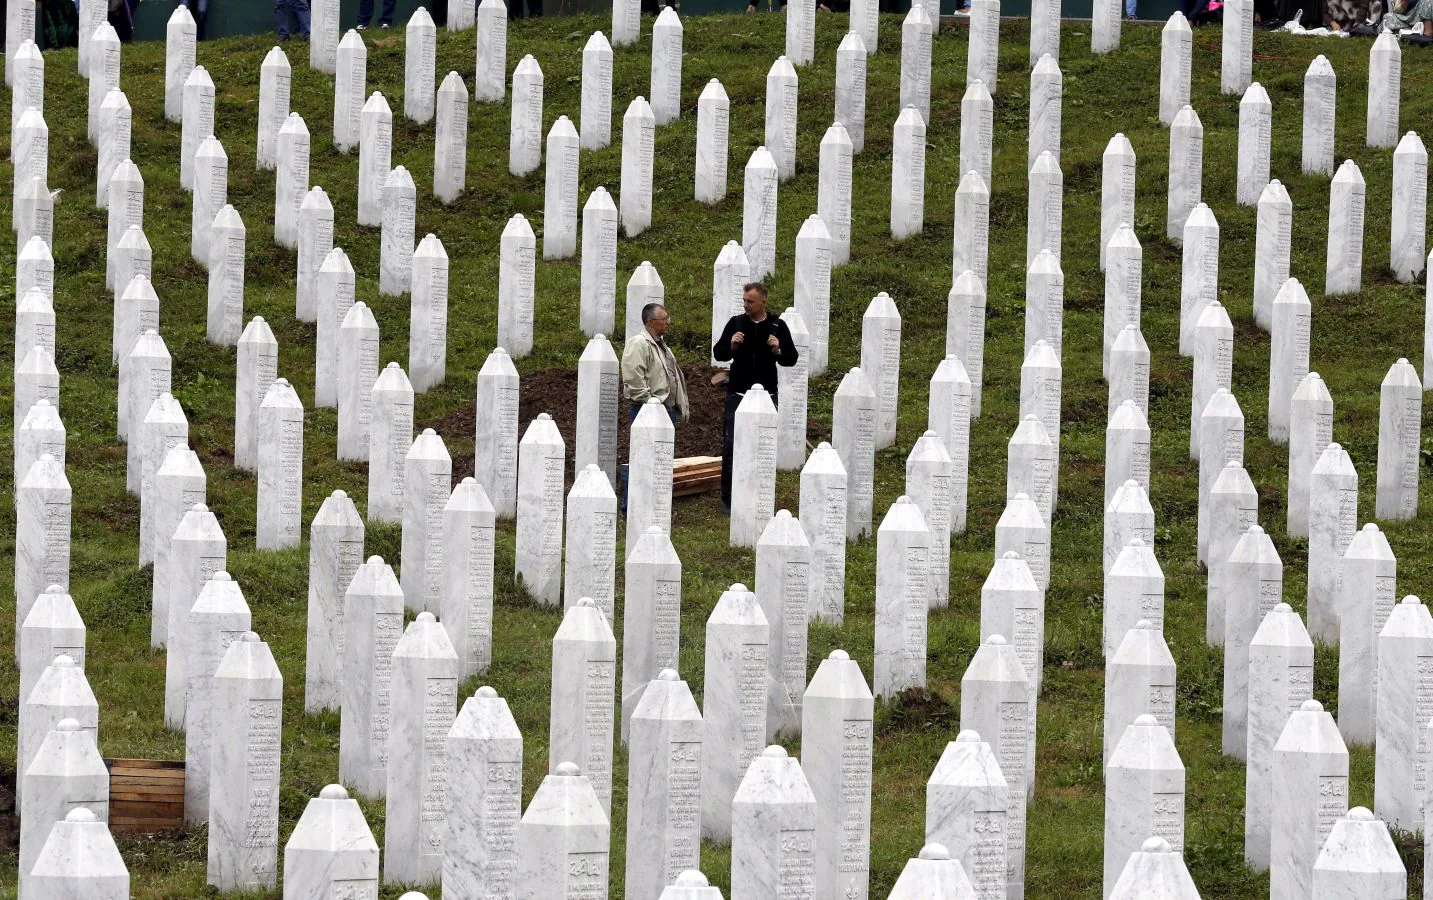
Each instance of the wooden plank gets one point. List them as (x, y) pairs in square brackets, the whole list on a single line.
[(162, 781), (145, 763)]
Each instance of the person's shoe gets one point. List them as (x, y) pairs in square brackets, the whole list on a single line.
[(360, 28), (383, 25), (283, 37)]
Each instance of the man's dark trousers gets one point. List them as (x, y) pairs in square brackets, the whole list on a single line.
[(728, 442)]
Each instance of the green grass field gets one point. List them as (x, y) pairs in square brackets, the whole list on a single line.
[(1355, 340)]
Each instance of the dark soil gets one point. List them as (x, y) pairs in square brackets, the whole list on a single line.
[(554, 391)]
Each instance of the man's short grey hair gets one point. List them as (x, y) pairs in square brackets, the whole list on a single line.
[(649, 312)]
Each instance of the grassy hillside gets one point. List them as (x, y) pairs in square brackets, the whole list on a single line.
[(1355, 339)]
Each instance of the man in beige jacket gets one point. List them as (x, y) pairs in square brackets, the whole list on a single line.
[(650, 370)]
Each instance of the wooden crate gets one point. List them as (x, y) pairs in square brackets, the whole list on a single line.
[(145, 795), (695, 475)]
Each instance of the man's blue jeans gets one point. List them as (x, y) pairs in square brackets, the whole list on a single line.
[(299, 9), (365, 12)]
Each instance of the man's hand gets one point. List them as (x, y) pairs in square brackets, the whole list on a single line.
[(737, 339), (774, 344)]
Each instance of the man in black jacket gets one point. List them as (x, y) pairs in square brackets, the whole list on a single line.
[(755, 343)]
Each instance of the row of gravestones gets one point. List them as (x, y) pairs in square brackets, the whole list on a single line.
[(1033, 473)]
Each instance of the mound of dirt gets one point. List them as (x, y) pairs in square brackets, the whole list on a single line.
[(554, 391)]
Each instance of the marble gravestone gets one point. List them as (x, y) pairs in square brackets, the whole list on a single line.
[(908, 174), (970, 251), (773, 832), (651, 615), (350, 82), (1134, 592), (399, 200), (1124, 270), (801, 34), (1408, 232), (539, 509), (280, 469), (419, 66), (1358, 859), (1236, 61), (1105, 19), (730, 272), (563, 839), (66, 774), (35, 207), (823, 516), (853, 434), (484, 802), (1400, 425), (1186, 170), (335, 553), (591, 552), (36, 379), (949, 418), (291, 180), (219, 616), (35, 327), (495, 444), (1023, 530), (1155, 872), (1233, 505), (466, 609), (1044, 216), (389, 403), (966, 800), (713, 125), (357, 360), (1127, 449), (626, 23), (1040, 389), (126, 208), (375, 152), (1221, 439), (836, 752), (331, 849), (559, 232), (517, 287), (1385, 76), (372, 625), (996, 702), (1332, 523), (664, 834), (1012, 603), (933, 874), (651, 445), (1175, 58), (197, 550), (1367, 590), (427, 483), (132, 256), (758, 223), (1117, 189), (42, 432), (977, 125), (180, 47), (1031, 466), (917, 32), (1320, 109), (666, 90), (881, 362), (929, 482), (1212, 345), (1272, 249), (851, 88), (866, 22), (982, 61), (783, 567), (833, 205), (1128, 515), (690, 885), (598, 308), (1405, 647), (323, 36), (1144, 794), (1199, 283), (645, 286), (165, 426), (103, 74), (35, 270), (52, 627), (428, 315), (244, 764), (595, 119), (1256, 122), (226, 243), (79, 859), (753, 467), (1139, 679), (599, 389), (1281, 678), (315, 243), (116, 119), (1310, 794), (275, 81), (525, 135), (584, 675), (198, 121), (143, 376), (1047, 95), (1290, 335), (61, 692), (450, 144), (1254, 586), (793, 388), (1344, 271), (490, 76), (179, 484), (734, 703), (423, 702)]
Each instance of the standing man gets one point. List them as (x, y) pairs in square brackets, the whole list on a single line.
[(365, 14), (300, 11), (755, 343), (650, 370)]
